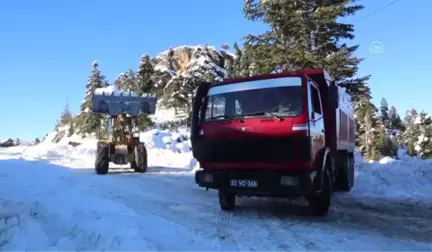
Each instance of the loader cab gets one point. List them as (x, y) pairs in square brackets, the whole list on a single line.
[(109, 124)]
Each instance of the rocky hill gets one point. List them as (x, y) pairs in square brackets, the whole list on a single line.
[(172, 76), (177, 72)]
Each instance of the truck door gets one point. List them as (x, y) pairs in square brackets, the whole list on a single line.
[(316, 119)]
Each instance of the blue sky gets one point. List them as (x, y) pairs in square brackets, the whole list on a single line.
[(47, 48)]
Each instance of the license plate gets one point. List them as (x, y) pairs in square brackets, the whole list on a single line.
[(244, 183)]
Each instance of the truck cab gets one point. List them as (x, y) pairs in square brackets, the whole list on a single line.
[(274, 135)]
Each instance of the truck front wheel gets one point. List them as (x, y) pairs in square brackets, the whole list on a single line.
[(320, 204), (226, 200)]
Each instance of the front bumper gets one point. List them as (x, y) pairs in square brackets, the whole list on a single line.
[(260, 183)]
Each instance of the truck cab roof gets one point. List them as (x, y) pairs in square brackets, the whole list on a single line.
[(319, 75)]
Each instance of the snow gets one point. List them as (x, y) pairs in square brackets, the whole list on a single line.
[(51, 199), (113, 90), (406, 178), (163, 114), (203, 61), (163, 68)]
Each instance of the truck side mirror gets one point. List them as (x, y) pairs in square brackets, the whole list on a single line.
[(333, 96)]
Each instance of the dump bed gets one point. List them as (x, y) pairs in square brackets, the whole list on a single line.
[(345, 124)]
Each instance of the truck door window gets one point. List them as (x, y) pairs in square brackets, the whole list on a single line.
[(208, 112), (315, 99), (215, 106), (238, 109)]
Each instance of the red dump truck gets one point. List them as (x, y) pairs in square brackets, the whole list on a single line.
[(274, 135)]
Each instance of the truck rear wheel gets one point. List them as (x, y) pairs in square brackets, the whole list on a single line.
[(226, 200), (139, 164), (320, 204), (102, 160), (345, 178)]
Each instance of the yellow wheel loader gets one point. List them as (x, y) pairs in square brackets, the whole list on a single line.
[(119, 134)]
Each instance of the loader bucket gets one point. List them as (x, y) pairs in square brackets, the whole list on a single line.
[(114, 103)]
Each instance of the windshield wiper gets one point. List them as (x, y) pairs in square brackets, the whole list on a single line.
[(227, 117), (280, 118), (219, 116)]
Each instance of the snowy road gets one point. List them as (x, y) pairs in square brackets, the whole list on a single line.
[(45, 206)]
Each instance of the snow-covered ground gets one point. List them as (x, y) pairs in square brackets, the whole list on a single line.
[(51, 199)]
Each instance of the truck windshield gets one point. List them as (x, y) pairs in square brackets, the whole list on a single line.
[(281, 97)]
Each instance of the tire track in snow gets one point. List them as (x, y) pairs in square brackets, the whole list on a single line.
[(178, 200), (10, 222), (398, 219), (206, 219), (212, 222), (72, 233)]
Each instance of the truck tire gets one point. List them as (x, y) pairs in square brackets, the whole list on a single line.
[(102, 160), (320, 204), (226, 200), (345, 178), (139, 164)]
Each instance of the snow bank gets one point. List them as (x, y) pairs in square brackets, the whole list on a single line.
[(50, 208), (165, 149), (163, 115), (409, 177)]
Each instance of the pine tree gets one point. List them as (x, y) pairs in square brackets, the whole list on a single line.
[(229, 61), (66, 116), (176, 100), (145, 85), (410, 116), (308, 34), (119, 83), (395, 120), (242, 63), (71, 128), (384, 111), (9, 143), (412, 131), (88, 121), (368, 130), (127, 81), (36, 141), (145, 81), (418, 135), (424, 140), (391, 126)]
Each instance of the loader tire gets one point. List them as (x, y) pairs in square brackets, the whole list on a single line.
[(319, 205), (139, 164), (102, 160), (345, 178)]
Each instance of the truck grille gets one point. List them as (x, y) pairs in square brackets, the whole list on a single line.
[(287, 149)]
